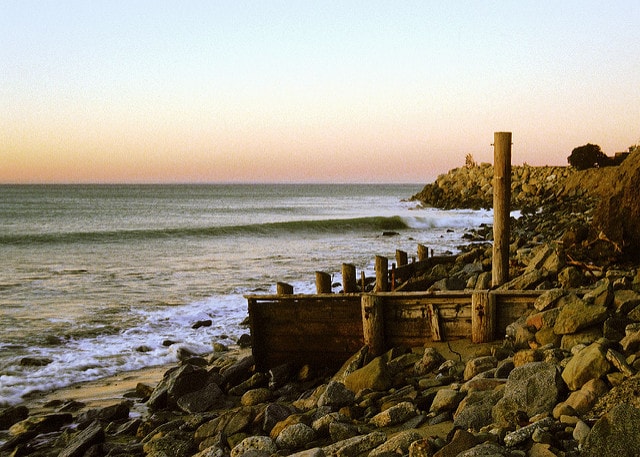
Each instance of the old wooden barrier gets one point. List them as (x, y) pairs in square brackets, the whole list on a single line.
[(319, 330), (324, 330)]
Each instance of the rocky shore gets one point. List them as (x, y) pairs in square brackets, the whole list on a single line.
[(562, 382)]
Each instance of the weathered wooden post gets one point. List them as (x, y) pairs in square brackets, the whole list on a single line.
[(483, 316), (382, 274), (373, 323), (401, 258), (323, 282), (282, 288), (501, 207), (423, 252), (349, 284)]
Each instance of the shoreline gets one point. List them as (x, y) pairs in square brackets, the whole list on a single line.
[(97, 393)]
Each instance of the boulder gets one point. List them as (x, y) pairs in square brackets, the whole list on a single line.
[(474, 411), (395, 415), (295, 436), (12, 415), (431, 359), (336, 395), (576, 314), (398, 445), (478, 365), (590, 363), (83, 440), (176, 383), (533, 388), (616, 433), (374, 375), (254, 443), (548, 299)]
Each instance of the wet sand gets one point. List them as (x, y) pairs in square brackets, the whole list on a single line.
[(99, 393)]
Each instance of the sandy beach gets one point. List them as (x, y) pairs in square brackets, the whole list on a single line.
[(99, 393)]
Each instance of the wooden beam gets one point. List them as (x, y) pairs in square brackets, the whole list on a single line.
[(282, 288), (382, 274), (323, 282), (483, 316), (373, 323), (501, 207), (349, 282)]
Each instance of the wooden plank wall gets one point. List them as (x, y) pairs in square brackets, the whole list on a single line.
[(408, 317), (319, 330), (325, 330)]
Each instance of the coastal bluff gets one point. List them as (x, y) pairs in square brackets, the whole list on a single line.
[(471, 187), (607, 196)]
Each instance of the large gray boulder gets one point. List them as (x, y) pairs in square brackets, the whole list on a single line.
[(533, 388), (616, 433)]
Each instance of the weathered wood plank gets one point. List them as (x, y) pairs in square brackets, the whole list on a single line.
[(434, 321)]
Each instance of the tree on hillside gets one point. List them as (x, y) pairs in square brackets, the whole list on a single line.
[(588, 156)]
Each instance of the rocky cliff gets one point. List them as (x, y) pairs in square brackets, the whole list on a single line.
[(611, 193), (472, 187)]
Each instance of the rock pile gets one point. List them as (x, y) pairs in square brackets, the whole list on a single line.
[(472, 187), (553, 388)]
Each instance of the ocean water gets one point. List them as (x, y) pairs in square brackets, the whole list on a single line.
[(100, 279)]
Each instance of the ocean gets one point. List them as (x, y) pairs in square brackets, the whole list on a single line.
[(101, 279)]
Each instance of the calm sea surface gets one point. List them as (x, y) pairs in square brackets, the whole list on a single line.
[(95, 279)]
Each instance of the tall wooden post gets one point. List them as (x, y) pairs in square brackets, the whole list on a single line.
[(282, 288), (323, 282), (349, 283), (501, 207), (382, 274), (373, 323)]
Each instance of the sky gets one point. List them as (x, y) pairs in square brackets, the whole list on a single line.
[(308, 91)]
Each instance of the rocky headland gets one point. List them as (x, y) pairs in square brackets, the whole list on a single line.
[(562, 382)]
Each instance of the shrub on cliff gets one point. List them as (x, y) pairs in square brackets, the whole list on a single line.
[(588, 156)]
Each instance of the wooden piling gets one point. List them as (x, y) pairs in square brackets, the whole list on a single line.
[(501, 207), (483, 316), (282, 288), (349, 283), (382, 274), (423, 252), (401, 258), (373, 324), (323, 282)]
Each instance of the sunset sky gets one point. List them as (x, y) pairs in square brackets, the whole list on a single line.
[(308, 91)]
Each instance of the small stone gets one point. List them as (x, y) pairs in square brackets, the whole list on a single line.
[(580, 432)]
